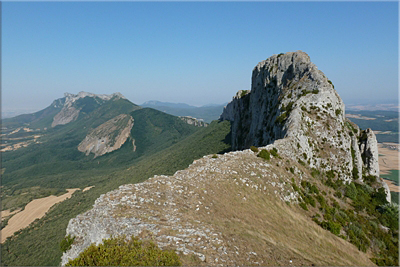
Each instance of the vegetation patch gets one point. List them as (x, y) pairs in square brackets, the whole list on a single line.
[(121, 252)]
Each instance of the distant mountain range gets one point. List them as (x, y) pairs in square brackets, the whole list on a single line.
[(207, 113)]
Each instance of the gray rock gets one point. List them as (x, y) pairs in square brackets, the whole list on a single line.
[(108, 137), (193, 121)]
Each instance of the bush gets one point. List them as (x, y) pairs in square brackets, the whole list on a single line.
[(355, 173), (303, 205), (330, 82), (120, 252), (264, 154), (332, 226), (66, 243), (214, 156), (254, 149), (281, 118), (351, 191), (274, 152), (338, 194), (338, 111)]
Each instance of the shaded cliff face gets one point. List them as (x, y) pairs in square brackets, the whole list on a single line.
[(108, 137)]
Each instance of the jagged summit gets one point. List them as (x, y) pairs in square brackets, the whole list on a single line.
[(281, 86), (292, 101), (72, 104), (72, 97)]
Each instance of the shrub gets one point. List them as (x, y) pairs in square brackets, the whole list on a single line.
[(338, 194), (214, 156), (274, 152), (295, 187), (281, 118), (302, 162), (315, 172), (314, 189), (351, 191), (355, 173), (329, 81), (303, 205), (338, 111), (119, 252), (66, 243), (332, 226), (254, 149), (264, 154), (370, 179)]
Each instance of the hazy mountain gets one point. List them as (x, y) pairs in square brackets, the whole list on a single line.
[(207, 113)]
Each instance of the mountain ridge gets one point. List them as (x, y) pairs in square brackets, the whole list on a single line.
[(301, 147)]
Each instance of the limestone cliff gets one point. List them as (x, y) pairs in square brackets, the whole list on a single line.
[(193, 121), (107, 137), (291, 99)]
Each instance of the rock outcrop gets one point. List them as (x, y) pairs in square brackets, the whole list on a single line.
[(107, 137), (193, 121), (70, 111), (291, 99)]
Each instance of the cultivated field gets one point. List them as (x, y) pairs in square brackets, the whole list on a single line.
[(35, 209)]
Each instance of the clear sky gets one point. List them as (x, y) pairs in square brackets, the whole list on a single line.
[(191, 52)]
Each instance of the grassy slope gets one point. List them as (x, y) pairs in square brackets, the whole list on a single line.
[(39, 243)]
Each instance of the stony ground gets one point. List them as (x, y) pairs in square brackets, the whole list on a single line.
[(222, 210)]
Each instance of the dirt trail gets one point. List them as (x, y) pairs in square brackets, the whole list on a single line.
[(35, 209)]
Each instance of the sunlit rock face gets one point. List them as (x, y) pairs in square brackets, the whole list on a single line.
[(108, 137)]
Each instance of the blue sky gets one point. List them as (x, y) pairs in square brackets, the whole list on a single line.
[(192, 52)]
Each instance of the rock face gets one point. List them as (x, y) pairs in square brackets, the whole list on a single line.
[(193, 121), (291, 99), (108, 137), (70, 111)]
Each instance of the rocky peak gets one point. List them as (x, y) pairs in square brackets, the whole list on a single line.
[(193, 121), (70, 111), (293, 105)]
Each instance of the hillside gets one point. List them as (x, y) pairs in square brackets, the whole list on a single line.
[(307, 192), (39, 243)]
